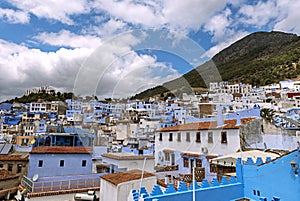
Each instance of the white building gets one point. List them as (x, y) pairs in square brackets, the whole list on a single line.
[(40, 107), (189, 145), (287, 84), (117, 187), (125, 129), (125, 161), (74, 104), (225, 87), (148, 124)]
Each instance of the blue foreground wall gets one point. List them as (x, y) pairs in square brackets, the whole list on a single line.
[(274, 180), (226, 190)]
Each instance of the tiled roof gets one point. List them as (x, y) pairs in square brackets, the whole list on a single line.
[(191, 154), (168, 150), (13, 158), (127, 156), (62, 150), (209, 125), (211, 156), (121, 177)]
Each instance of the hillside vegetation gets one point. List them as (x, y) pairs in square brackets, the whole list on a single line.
[(47, 97), (259, 59)]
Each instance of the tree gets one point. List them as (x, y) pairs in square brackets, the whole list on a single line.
[(267, 113)]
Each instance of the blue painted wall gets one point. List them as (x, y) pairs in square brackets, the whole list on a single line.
[(275, 178), (271, 181), (51, 164), (214, 192)]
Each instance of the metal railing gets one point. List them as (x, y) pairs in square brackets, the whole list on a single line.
[(45, 186)]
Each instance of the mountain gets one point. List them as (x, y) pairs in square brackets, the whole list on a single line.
[(259, 59)]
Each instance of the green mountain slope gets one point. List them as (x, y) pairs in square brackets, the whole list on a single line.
[(259, 59)]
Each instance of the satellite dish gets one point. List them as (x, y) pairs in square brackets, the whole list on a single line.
[(35, 177)]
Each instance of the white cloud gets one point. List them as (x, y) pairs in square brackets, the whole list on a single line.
[(107, 29), (260, 14), (219, 25), (117, 71), (114, 69), (56, 10), (14, 17), (177, 15), (289, 16), (68, 39), (190, 15), (130, 11), (132, 74), (22, 68)]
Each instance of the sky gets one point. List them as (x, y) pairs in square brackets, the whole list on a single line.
[(117, 48)]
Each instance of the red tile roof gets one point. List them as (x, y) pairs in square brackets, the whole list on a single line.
[(209, 125), (211, 156), (169, 150), (191, 154), (61, 150), (121, 177)]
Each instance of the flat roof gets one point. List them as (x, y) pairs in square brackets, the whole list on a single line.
[(122, 177), (230, 159), (126, 156)]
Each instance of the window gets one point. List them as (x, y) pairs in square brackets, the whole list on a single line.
[(170, 137), (160, 137), (198, 163), (10, 167), (188, 137), (210, 137), (198, 137), (258, 193), (19, 168), (185, 162), (62, 163), (224, 137), (1, 165), (172, 159), (213, 168), (254, 192), (167, 156), (83, 163), (178, 137)]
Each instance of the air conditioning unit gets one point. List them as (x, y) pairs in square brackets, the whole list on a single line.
[(204, 150)]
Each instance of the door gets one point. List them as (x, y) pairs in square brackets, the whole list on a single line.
[(172, 159)]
